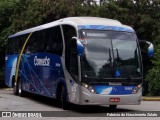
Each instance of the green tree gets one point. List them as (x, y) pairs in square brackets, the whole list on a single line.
[(142, 15), (153, 76)]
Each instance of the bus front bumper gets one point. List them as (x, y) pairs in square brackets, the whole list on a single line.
[(87, 98)]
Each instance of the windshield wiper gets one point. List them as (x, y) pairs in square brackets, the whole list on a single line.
[(118, 58), (110, 58)]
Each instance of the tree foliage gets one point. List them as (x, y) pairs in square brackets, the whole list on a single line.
[(153, 76), (142, 15)]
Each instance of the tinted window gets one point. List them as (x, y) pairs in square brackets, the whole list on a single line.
[(14, 45), (97, 61), (70, 32), (10, 46), (53, 40), (48, 40), (73, 59), (110, 54)]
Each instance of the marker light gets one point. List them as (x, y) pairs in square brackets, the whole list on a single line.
[(136, 89), (89, 87)]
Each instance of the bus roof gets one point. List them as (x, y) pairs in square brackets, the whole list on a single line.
[(81, 22)]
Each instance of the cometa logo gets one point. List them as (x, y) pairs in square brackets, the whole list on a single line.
[(41, 61)]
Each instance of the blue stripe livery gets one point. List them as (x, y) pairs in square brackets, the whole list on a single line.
[(103, 27), (40, 72), (113, 90)]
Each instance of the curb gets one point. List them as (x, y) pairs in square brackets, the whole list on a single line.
[(7, 89), (151, 98)]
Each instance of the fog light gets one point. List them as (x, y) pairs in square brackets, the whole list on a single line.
[(136, 89), (92, 91), (89, 87), (85, 85)]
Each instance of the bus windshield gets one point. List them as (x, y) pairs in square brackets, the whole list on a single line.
[(110, 54)]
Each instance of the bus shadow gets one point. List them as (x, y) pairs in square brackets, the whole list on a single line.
[(42, 99), (77, 109), (73, 107)]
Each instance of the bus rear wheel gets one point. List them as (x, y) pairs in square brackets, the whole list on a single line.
[(15, 87), (18, 88), (21, 92), (64, 101)]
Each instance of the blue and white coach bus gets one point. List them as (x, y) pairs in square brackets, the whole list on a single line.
[(79, 60)]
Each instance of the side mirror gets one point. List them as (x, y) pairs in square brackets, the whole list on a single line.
[(150, 49), (147, 48), (79, 45)]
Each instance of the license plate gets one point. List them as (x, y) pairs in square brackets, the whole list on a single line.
[(114, 99)]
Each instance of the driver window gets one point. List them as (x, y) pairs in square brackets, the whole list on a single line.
[(71, 61)]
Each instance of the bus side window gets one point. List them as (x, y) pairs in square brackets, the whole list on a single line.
[(40, 38), (31, 46), (10, 46), (53, 40), (71, 61), (14, 45)]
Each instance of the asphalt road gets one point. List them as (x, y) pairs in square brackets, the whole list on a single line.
[(32, 103)]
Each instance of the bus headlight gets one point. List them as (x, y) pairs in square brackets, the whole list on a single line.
[(136, 89), (89, 87)]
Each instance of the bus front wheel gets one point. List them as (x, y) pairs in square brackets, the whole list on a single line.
[(64, 101)]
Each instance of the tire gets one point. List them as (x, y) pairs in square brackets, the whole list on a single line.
[(19, 87), (112, 106), (64, 99), (15, 87)]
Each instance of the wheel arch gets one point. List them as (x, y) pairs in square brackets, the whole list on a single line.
[(60, 84), (13, 80)]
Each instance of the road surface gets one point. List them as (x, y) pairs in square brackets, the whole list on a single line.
[(32, 103)]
